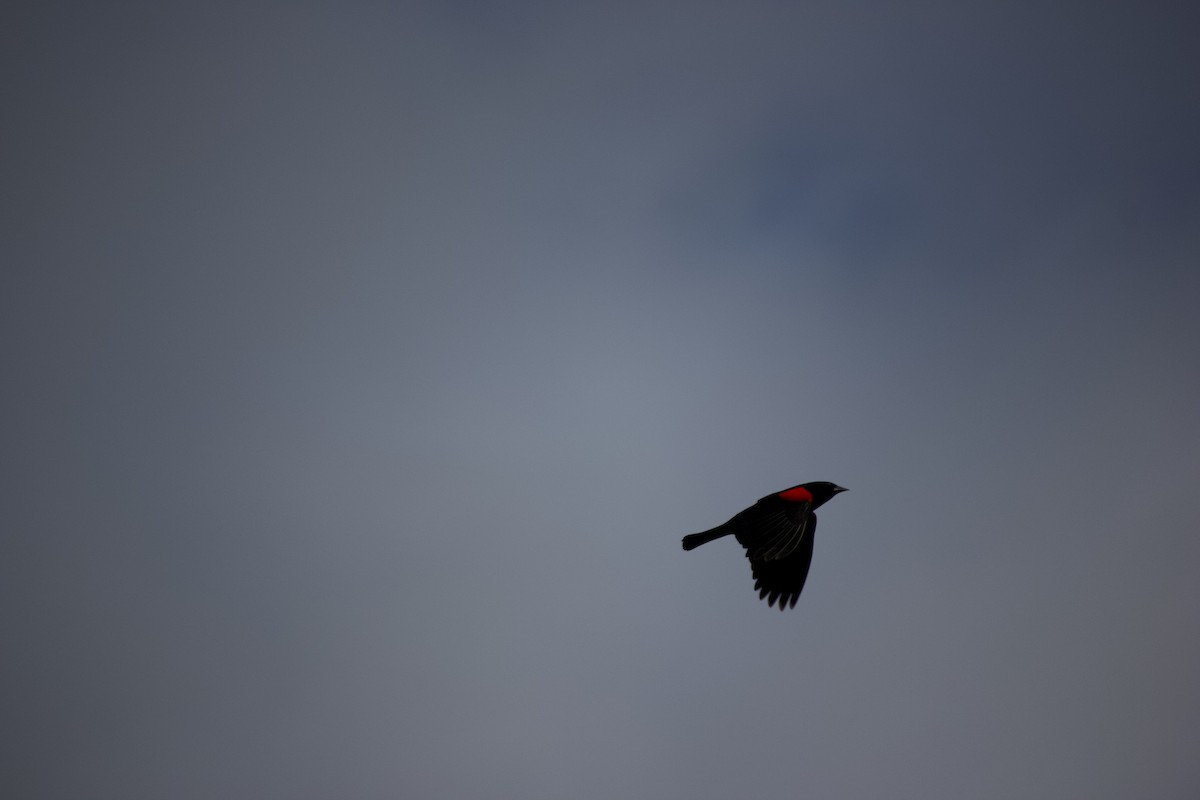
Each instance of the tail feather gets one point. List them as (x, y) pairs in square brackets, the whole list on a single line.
[(694, 540)]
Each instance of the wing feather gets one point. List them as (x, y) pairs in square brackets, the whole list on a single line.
[(781, 579), (778, 532)]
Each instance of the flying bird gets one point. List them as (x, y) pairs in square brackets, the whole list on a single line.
[(777, 533)]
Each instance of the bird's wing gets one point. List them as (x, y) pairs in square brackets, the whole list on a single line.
[(778, 533), (782, 579)]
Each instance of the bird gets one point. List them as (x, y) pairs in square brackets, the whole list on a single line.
[(777, 533)]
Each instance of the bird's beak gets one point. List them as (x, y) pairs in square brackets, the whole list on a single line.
[(840, 489)]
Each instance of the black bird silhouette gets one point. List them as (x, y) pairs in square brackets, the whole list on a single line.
[(777, 533)]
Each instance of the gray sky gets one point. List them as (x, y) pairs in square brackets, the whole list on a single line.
[(365, 363)]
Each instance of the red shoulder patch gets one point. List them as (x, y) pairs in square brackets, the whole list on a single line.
[(797, 494)]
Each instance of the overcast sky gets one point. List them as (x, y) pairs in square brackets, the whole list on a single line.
[(365, 362)]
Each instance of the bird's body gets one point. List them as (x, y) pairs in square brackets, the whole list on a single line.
[(777, 533)]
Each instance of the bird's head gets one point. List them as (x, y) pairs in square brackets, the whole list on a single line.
[(822, 491)]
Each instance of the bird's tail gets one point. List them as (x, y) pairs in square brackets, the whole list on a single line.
[(694, 540)]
